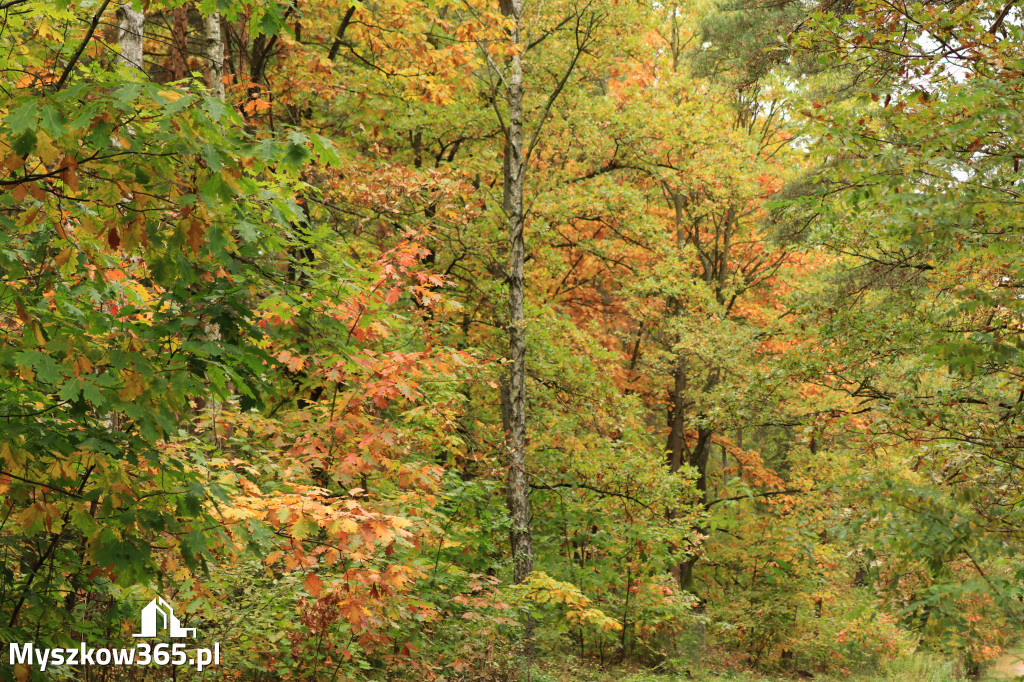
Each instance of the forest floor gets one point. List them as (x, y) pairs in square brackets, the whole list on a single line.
[(1009, 666), (1010, 670), (917, 668)]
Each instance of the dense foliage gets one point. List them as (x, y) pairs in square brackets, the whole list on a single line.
[(450, 339)]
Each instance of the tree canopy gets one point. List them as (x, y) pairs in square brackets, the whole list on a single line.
[(515, 340)]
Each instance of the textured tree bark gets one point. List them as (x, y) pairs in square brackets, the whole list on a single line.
[(129, 35), (518, 491), (677, 417), (699, 460), (179, 40), (214, 54), (676, 445), (677, 450)]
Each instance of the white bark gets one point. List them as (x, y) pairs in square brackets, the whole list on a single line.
[(215, 54), (129, 35), (513, 205)]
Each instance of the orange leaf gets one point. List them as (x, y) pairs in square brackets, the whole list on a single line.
[(353, 613), (82, 364), (195, 235), (313, 584), (13, 162), (22, 315), (68, 175)]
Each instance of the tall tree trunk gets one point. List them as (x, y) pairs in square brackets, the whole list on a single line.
[(677, 451), (129, 35), (677, 408), (677, 417), (179, 43), (722, 274), (214, 54), (676, 445), (518, 492), (699, 457)]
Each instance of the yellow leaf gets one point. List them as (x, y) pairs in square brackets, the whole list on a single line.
[(37, 332), (45, 149), (239, 513), (133, 385), (62, 257)]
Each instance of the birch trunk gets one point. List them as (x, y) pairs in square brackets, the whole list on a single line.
[(518, 499), (215, 54), (129, 35)]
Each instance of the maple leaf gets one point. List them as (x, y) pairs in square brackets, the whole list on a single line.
[(353, 612)]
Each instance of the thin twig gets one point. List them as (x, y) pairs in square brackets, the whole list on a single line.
[(770, 493), (81, 46), (584, 486)]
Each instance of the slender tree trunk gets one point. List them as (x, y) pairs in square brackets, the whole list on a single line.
[(129, 35), (677, 451), (179, 40), (699, 457), (677, 409), (214, 54), (518, 492), (676, 445), (723, 261), (677, 417)]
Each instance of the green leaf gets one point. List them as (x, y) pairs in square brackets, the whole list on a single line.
[(22, 118), (295, 156), (25, 144), (53, 121), (42, 364)]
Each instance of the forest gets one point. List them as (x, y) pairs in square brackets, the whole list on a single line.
[(511, 340)]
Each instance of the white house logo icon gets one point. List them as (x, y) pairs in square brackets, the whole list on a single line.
[(159, 607)]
